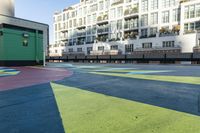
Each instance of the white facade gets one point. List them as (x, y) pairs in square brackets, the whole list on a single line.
[(7, 7), (125, 26)]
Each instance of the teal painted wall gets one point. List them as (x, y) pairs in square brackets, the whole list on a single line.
[(13, 48)]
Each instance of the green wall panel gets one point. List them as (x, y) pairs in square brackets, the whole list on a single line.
[(13, 48)]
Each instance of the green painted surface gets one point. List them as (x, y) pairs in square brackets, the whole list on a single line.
[(176, 79), (89, 112), (12, 48)]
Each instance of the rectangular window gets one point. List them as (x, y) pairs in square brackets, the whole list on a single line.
[(119, 11), (192, 11), (186, 27), (154, 4), (79, 50), (101, 5), (101, 48), (154, 18), (129, 48), (144, 20), (114, 47), (144, 32), (197, 10), (144, 5), (165, 17), (176, 15), (153, 31), (119, 24), (146, 45), (186, 12), (112, 13), (168, 44)]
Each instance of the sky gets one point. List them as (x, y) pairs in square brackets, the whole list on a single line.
[(41, 10)]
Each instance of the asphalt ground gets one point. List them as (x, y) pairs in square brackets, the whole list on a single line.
[(176, 96), (32, 108)]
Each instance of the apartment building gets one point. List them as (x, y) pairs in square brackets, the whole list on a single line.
[(127, 26)]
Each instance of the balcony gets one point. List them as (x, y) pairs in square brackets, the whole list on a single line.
[(64, 38), (102, 19), (81, 34), (130, 26), (103, 30), (117, 2), (167, 32), (102, 38), (131, 13), (131, 35)]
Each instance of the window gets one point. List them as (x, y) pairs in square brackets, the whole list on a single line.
[(186, 12), (113, 26), (144, 32), (119, 11), (197, 25), (144, 20), (197, 10), (89, 19), (101, 5), (89, 30), (154, 4), (176, 15), (154, 18), (129, 48), (119, 24), (192, 11), (153, 31), (101, 48), (112, 13), (114, 47), (168, 3), (89, 49), (186, 27), (94, 18), (79, 50), (146, 45), (168, 44), (144, 5), (165, 17)]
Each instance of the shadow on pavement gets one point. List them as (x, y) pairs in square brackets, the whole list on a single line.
[(30, 110)]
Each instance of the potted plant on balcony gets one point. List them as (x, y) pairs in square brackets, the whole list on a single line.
[(176, 29), (126, 12)]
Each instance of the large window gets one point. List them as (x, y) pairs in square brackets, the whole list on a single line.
[(168, 3), (119, 24), (154, 4), (197, 10), (144, 20), (154, 18), (114, 47), (165, 17), (146, 45), (144, 32), (112, 13), (168, 44), (176, 15), (129, 48), (119, 11), (144, 5), (101, 5), (192, 11), (153, 31)]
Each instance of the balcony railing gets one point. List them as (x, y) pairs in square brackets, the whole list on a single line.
[(102, 30), (102, 18), (132, 11)]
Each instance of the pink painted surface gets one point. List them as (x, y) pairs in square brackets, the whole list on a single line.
[(32, 76)]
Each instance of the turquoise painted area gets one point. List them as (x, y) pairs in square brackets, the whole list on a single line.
[(8, 72)]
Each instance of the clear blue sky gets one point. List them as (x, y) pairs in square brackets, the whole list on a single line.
[(41, 10)]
